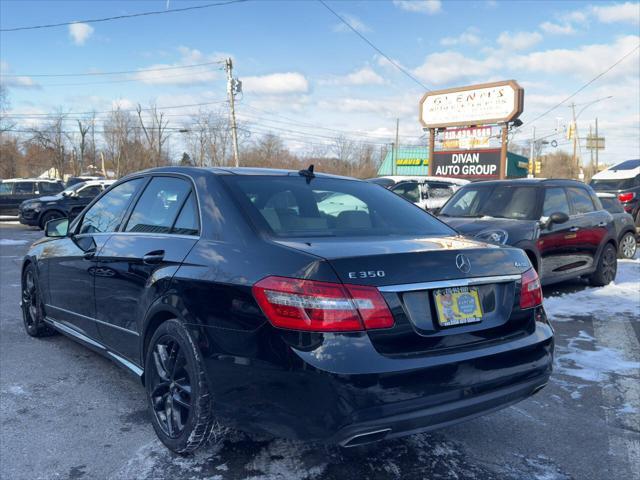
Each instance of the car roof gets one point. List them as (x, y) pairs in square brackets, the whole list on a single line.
[(97, 182), (534, 182), (50, 180), (249, 171), (422, 178)]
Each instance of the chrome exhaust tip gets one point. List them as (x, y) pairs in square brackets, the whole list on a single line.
[(364, 438)]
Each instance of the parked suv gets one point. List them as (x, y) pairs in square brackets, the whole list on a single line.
[(14, 191), (560, 224), (622, 180), (68, 203), (428, 193), (625, 228), (267, 301)]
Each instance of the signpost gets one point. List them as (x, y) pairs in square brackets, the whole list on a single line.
[(476, 107)]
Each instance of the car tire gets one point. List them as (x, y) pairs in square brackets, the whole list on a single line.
[(48, 216), (627, 246), (607, 267), (32, 307), (177, 389)]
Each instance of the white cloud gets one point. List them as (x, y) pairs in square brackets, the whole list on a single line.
[(627, 12), (182, 76), (80, 32), (422, 6), (355, 23), (519, 40), (468, 37), (364, 76), (276, 83), (449, 66), (16, 82), (557, 29), (584, 62)]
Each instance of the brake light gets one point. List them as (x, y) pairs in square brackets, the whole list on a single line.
[(530, 292), (310, 305), (626, 197)]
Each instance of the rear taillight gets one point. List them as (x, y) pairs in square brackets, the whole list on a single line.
[(309, 305), (530, 292), (626, 197)]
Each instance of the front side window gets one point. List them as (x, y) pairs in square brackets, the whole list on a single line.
[(107, 213), (580, 200), (555, 200), (6, 188), (89, 192), (159, 205), (290, 207), (502, 201), (24, 188), (408, 190)]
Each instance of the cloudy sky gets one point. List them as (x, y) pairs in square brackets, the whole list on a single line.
[(306, 75)]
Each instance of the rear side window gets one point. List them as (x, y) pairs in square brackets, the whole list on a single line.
[(106, 214), (408, 190), (188, 222), (6, 188), (50, 187), (611, 205), (24, 187), (555, 200), (159, 205), (90, 192), (580, 200), (289, 206)]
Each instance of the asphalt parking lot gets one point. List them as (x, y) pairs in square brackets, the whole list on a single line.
[(66, 412)]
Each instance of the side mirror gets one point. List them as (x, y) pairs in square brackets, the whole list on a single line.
[(556, 217), (58, 227)]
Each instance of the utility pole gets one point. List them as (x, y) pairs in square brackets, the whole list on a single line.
[(591, 149), (532, 156), (232, 109), (395, 161), (597, 145), (574, 132)]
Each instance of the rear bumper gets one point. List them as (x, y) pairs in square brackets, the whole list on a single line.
[(342, 387)]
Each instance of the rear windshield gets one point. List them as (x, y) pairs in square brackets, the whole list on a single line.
[(612, 184), (290, 207), (504, 201)]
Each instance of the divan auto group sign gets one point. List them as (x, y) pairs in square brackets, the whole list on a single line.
[(483, 164), (473, 105)]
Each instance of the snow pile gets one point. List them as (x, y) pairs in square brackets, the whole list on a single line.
[(5, 242), (621, 297), (593, 365)]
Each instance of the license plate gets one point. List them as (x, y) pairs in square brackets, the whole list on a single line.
[(457, 306)]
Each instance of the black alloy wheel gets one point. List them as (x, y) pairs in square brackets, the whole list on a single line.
[(177, 389), (32, 311), (607, 267)]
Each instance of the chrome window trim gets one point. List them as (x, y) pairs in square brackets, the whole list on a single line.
[(460, 282)]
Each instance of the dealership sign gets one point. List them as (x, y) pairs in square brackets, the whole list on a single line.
[(481, 164), (482, 104), (464, 138)]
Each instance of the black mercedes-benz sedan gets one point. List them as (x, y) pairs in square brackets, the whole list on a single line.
[(296, 304)]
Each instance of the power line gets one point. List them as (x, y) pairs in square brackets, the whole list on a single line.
[(585, 85), (120, 17), (122, 72), (365, 39), (126, 80), (46, 115)]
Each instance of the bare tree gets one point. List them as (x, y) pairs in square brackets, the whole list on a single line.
[(54, 140), (5, 124), (155, 131), (84, 126)]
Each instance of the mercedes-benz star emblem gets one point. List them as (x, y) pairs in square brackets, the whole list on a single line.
[(463, 263)]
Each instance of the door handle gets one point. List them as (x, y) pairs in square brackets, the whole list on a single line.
[(574, 229), (154, 257)]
